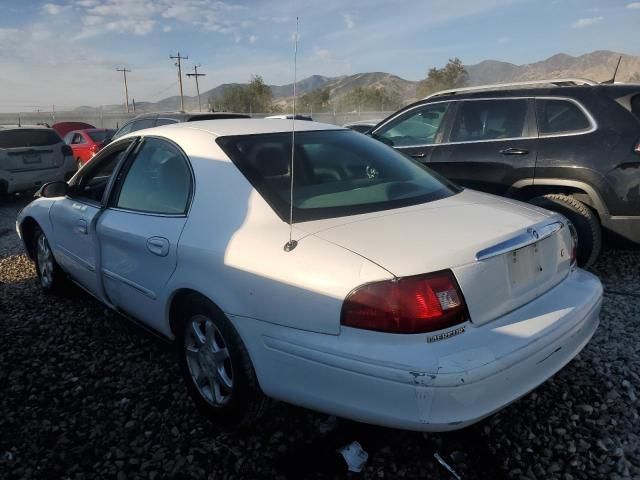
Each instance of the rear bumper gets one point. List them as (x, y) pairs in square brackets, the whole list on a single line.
[(402, 381), (627, 227)]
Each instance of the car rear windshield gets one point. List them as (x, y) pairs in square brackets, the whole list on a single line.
[(336, 173), (100, 135), (25, 137)]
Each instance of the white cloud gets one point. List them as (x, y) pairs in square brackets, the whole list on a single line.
[(586, 22), (167, 28), (633, 5), (503, 40), (322, 53), (253, 39), (348, 20), (53, 8)]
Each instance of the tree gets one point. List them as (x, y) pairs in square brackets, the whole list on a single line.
[(371, 98), (452, 75), (316, 100), (254, 97)]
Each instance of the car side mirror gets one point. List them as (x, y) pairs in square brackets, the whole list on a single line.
[(53, 189)]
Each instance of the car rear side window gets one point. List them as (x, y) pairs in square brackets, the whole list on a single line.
[(158, 180), (559, 117), (478, 120), (24, 137), (336, 173), (165, 121), (417, 127)]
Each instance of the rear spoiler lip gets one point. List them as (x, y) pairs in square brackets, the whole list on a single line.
[(530, 236)]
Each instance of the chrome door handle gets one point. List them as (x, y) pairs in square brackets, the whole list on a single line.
[(417, 155), (81, 227), (514, 151), (158, 246)]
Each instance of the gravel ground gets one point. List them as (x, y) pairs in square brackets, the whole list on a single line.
[(84, 394)]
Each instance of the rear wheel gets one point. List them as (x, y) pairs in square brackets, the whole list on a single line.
[(216, 367), (584, 220), (50, 275)]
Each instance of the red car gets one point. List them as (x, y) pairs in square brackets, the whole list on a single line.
[(86, 143)]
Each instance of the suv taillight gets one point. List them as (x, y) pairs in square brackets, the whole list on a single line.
[(418, 304), (637, 147)]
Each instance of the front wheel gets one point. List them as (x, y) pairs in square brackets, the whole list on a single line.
[(584, 220), (216, 367)]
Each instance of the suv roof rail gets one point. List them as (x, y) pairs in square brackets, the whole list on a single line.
[(556, 82)]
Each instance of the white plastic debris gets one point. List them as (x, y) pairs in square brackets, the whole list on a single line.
[(355, 456), (446, 465)]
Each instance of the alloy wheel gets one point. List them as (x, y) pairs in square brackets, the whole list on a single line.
[(208, 360), (45, 262)]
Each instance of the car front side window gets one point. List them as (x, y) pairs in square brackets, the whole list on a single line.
[(417, 127), (157, 181), (95, 178)]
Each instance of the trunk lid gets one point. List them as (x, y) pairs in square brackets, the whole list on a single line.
[(24, 149), (453, 233)]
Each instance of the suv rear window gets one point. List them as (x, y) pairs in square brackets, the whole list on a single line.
[(24, 137), (560, 116), (336, 173), (489, 120)]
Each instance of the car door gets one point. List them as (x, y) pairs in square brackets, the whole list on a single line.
[(490, 146), (73, 217), (415, 131), (140, 229)]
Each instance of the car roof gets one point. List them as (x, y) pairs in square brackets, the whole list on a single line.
[(244, 126)]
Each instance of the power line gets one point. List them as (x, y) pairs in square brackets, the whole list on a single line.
[(178, 64), (196, 75), (126, 90)]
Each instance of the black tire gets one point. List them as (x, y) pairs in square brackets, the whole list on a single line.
[(245, 402), (50, 276), (584, 220)]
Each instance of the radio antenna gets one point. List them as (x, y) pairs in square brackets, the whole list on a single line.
[(615, 72), (291, 244)]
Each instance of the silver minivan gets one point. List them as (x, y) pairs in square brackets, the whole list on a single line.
[(31, 156)]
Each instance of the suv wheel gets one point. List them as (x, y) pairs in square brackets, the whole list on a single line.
[(216, 367), (584, 220)]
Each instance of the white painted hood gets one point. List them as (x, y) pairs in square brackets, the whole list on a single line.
[(429, 237)]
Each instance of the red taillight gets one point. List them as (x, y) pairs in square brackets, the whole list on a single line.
[(637, 148), (418, 304)]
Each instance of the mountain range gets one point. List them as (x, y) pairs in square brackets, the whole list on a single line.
[(598, 65)]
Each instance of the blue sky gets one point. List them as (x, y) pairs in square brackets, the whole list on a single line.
[(65, 51)]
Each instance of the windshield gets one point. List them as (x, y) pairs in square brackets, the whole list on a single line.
[(99, 136), (336, 173), (24, 137)]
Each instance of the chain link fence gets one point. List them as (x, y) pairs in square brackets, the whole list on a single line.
[(101, 119)]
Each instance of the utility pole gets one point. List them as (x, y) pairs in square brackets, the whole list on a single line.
[(196, 75), (126, 90), (179, 65)]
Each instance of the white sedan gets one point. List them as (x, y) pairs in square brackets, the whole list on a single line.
[(402, 300)]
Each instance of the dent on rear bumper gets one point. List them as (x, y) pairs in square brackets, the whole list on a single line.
[(401, 381)]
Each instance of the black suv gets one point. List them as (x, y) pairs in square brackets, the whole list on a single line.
[(567, 145), (149, 120)]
